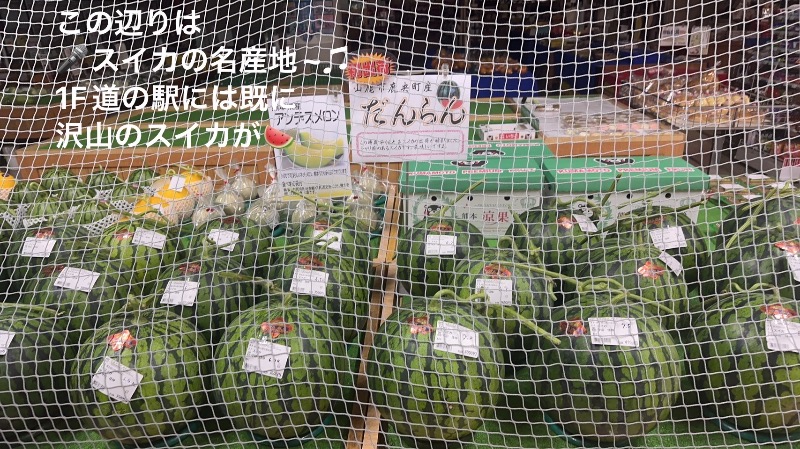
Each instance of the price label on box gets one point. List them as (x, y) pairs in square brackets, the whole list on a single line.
[(668, 238), (456, 339), (152, 239), (782, 335), (180, 293), (267, 358), (614, 331), (36, 247), (76, 279), (440, 245), (309, 282), (224, 238)]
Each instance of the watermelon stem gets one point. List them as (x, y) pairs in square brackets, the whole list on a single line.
[(318, 238), (32, 308), (523, 264), (613, 189), (751, 218), (255, 279), (508, 242), (440, 213)]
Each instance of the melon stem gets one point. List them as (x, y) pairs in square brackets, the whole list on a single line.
[(318, 238), (754, 210), (256, 280), (520, 256), (440, 213), (32, 308)]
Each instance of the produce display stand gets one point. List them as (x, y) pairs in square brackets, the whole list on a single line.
[(34, 122)]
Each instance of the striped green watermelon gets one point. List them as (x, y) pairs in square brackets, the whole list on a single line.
[(345, 296), (33, 369), (195, 291), (26, 192), (746, 383), (639, 269), (169, 354), (265, 399), (603, 392), (427, 253), (85, 310), (353, 242), (141, 178), (55, 180), (76, 193), (779, 209), (102, 179), (44, 208), (427, 392), (250, 250), (123, 192)]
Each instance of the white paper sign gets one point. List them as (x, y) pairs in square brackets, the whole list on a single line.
[(224, 238), (331, 239), (782, 335), (309, 282), (267, 358), (668, 238), (794, 265), (732, 187), (585, 223), (440, 245), (5, 341), (116, 380), (500, 291), (152, 239), (671, 262), (674, 35), (456, 339), (411, 118), (699, 40), (317, 162), (36, 247), (76, 279), (614, 331), (177, 183), (180, 293)]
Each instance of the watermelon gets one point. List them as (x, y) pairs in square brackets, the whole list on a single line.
[(75, 193), (44, 208), (345, 296), (124, 192), (85, 310), (55, 180), (265, 398), (141, 178), (739, 374), (248, 248), (26, 192), (604, 392), (777, 209), (430, 393), (33, 370), (427, 253), (276, 138), (195, 291), (170, 356), (350, 238), (102, 180)]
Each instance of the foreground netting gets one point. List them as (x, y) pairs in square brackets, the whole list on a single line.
[(397, 224)]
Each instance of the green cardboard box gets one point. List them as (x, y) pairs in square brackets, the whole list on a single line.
[(513, 182), (593, 178)]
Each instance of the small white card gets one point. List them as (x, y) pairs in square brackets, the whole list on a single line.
[(152, 239), (5, 341), (732, 187), (584, 223), (794, 265), (76, 279), (309, 282), (180, 293), (116, 380), (500, 291), (224, 238), (668, 238), (267, 358), (751, 197), (456, 339), (35, 247), (614, 331), (440, 245), (782, 335), (177, 183), (756, 176), (672, 263), (331, 239)]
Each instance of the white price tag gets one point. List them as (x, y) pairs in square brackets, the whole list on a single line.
[(585, 223), (714, 178), (751, 197), (332, 240), (35, 247), (500, 291), (5, 341), (614, 331), (671, 262), (668, 238), (224, 238), (177, 183), (152, 239), (116, 380), (180, 293), (782, 335), (756, 176), (76, 279), (267, 358), (309, 282), (732, 187), (440, 245), (779, 185), (456, 339), (794, 265)]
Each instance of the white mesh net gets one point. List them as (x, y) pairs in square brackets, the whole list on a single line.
[(514, 224)]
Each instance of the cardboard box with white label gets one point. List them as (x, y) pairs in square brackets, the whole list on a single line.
[(512, 178), (593, 178)]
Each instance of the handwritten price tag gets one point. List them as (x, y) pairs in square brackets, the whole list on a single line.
[(309, 282), (668, 238), (152, 239), (500, 291), (794, 265), (267, 358), (614, 331), (5, 341), (782, 335), (456, 339), (440, 245), (34, 247), (332, 240), (224, 237), (584, 223), (180, 293), (76, 279), (671, 262), (116, 380)]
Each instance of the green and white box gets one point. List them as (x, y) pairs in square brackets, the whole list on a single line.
[(512, 177), (678, 182)]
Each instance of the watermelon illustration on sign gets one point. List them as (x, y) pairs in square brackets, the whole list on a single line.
[(448, 91)]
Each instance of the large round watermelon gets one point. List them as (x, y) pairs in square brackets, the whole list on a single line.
[(33, 371), (141, 178), (166, 359), (778, 209), (345, 236), (102, 180), (608, 389), (43, 209), (26, 192), (427, 253), (55, 180), (75, 193), (279, 370), (746, 362), (434, 371), (233, 243)]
